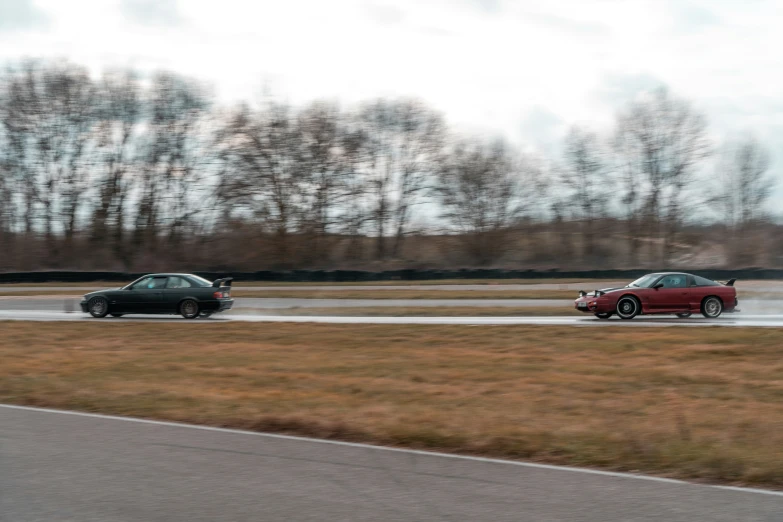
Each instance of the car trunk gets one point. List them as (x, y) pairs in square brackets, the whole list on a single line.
[(223, 286)]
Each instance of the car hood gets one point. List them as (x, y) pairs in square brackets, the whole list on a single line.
[(602, 291), (102, 291)]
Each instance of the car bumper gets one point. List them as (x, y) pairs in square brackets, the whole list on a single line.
[(591, 305), (225, 304)]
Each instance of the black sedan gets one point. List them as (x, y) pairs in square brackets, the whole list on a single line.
[(186, 294)]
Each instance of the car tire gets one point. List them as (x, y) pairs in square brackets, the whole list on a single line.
[(628, 307), (711, 307), (189, 309), (116, 315), (98, 307), (683, 315), (603, 315), (206, 315)]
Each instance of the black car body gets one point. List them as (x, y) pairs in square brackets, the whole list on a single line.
[(186, 294)]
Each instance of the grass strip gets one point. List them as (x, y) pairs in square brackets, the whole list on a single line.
[(695, 403)]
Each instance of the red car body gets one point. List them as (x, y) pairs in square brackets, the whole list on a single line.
[(662, 293)]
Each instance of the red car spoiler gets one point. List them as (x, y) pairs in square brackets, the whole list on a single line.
[(217, 283)]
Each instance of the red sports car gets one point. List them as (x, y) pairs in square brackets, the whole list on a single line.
[(662, 293)]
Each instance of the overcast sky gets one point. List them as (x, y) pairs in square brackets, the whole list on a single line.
[(523, 69)]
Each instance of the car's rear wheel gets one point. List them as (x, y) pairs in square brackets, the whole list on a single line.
[(98, 307), (603, 315), (188, 309), (683, 315), (628, 307), (116, 315), (711, 307)]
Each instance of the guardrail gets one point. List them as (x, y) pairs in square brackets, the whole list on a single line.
[(348, 276)]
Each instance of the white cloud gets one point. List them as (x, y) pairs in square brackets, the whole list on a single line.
[(491, 66), (19, 15), (156, 12)]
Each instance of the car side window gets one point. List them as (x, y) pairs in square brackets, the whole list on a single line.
[(703, 281), (158, 283), (178, 282), (674, 281)]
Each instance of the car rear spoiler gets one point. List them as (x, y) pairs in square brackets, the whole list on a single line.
[(730, 282), (217, 283)]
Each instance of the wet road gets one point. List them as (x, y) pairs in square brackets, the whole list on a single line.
[(727, 320), (60, 303)]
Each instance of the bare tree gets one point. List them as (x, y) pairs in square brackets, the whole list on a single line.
[(117, 135), (745, 186), (399, 146), (586, 178), (171, 160), (661, 141), (745, 181), (7, 215), (479, 188), (48, 116), (267, 175), (321, 136)]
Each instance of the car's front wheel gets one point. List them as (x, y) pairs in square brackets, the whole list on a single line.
[(628, 307), (189, 309), (98, 307), (603, 315), (712, 307)]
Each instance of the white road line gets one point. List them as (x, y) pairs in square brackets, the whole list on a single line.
[(390, 449)]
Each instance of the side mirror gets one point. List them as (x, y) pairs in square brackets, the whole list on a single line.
[(658, 285)]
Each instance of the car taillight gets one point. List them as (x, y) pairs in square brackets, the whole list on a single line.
[(218, 295)]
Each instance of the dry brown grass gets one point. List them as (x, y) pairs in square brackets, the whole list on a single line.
[(701, 403)]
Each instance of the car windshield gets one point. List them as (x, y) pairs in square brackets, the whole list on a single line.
[(133, 283), (645, 281), (201, 281)]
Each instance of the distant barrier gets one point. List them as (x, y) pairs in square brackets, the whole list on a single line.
[(355, 276)]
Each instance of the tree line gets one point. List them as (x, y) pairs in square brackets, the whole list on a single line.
[(133, 173)]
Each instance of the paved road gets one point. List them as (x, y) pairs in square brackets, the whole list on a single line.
[(66, 467), (64, 303), (60, 303), (727, 320)]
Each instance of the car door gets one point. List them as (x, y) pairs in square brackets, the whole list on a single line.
[(177, 288), (144, 296), (673, 295)]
